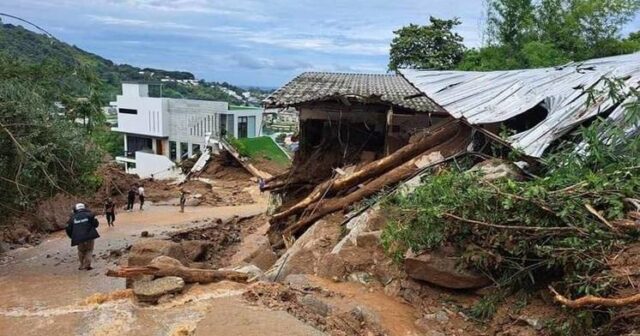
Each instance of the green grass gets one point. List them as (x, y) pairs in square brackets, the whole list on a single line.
[(240, 107), (261, 148)]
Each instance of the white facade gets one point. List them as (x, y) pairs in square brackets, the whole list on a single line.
[(175, 128)]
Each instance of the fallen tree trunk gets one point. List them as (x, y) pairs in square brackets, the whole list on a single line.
[(431, 138), (322, 208), (165, 266), (591, 300)]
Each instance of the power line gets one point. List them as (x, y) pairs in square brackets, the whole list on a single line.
[(29, 23)]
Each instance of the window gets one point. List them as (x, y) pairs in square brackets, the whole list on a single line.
[(127, 111), (172, 151)]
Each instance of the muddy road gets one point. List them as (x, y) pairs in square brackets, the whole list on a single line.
[(43, 293)]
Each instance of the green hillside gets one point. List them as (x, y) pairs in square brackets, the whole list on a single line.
[(29, 47)]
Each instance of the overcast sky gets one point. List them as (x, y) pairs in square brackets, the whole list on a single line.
[(244, 42)]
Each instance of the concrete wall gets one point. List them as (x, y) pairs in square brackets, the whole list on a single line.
[(190, 120), (151, 117), (257, 127), (158, 165)]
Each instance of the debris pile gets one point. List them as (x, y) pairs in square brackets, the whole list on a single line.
[(342, 190)]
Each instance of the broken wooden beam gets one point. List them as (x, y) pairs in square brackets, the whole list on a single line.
[(165, 266), (431, 138), (453, 146)]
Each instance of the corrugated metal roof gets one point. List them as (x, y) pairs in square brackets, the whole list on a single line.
[(319, 86), (495, 96)]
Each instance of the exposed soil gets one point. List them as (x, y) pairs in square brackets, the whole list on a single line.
[(269, 166), (224, 237), (281, 297)]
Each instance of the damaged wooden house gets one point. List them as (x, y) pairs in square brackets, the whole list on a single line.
[(354, 128)]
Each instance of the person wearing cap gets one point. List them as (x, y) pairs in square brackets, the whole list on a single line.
[(81, 228)]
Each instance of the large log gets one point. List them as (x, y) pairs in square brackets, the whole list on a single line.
[(432, 137), (165, 266), (449, 148)]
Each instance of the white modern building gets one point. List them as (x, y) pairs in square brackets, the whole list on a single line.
[(161, 131)]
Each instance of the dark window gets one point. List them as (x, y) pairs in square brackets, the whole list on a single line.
[(243, 127), (127, 111)]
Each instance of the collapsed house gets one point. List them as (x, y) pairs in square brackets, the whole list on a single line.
[(538, 106), (350, 119), (361, 134)]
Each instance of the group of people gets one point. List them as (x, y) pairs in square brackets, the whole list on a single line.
[(135, 190)]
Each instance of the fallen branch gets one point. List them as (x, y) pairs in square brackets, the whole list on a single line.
[(455, 145), (432, 137), (511, 227), (164, 266), (591, 300), (599, 216)]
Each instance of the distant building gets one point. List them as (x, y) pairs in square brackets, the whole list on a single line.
[(161, 131)]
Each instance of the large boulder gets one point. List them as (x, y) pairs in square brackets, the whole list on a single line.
[(152, 291), (256, 250), (439, 268), (145, 250), (304, 254)]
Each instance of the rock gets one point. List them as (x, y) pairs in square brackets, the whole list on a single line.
[(494, 169), (439, 268), (300, 281), (360, 277), (331, 266), (315, 305), (152, 291), (441, 316), (534, 323), (254, 272), (192, 202), (256, 250), (368, 239), (195, 250), (144, 234), (303, 256), (365, 315), (143, 251)]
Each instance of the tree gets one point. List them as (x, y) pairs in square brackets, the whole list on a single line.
[(542, 33), (511, 22), (434, 46), (42, 153)]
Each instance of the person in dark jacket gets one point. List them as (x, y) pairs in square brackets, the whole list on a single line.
[(81, 228), (131, 197), (110, 211)]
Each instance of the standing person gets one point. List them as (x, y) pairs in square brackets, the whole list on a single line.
[(81, 228), (141, 196), (183, 199), (131, 197), (110, 211)]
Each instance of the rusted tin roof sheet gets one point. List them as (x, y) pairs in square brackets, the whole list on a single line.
[(571, 94), (320, 86)]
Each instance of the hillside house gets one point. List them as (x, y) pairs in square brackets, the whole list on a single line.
[(161, 131), (348, 119)]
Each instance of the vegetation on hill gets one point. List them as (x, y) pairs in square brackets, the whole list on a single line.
[(522, 34), (32, 48), (43, 151)]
